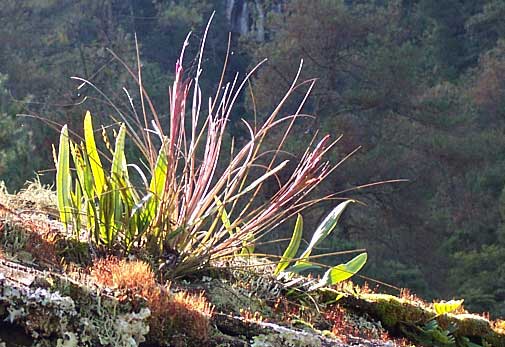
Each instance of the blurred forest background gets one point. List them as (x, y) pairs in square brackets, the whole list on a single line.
[(419, 84)]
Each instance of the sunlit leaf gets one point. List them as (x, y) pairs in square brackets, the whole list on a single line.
[(92, 153), (248, 245), (225, 219), (118, 173), (160, 173), (447, 307), (293, 246), (325, 228), (342, 272), (63, 178), (262, 179), (302, 266)]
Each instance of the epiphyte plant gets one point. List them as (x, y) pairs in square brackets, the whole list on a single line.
[(184, 207)]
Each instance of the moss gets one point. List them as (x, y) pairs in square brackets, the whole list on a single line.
[(74, 251), (396, 314), (392, 311), (495, 340), (466, 324)]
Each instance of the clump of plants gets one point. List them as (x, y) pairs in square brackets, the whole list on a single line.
[(192, 208)]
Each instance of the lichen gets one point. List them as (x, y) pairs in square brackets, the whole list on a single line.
[(286, 339), (52, 319), (232, 299)]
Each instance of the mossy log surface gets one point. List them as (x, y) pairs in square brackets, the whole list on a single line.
[(404, 317), (45, 308)]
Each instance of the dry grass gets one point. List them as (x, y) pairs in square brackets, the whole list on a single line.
[(33, 198)]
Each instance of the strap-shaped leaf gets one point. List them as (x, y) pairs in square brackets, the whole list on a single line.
[(118, 174), (157, 184), (159, 177), (248, 245), (293, 246), (63, 178), (83, 172), (92, 153), (106, 215), (342, 272), (325, 228), (302, 266), (447, 307), (77, 209), (225, 219)]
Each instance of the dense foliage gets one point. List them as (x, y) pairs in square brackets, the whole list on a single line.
[(419, 84)]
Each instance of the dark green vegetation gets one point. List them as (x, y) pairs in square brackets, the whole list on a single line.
[(420, 85)]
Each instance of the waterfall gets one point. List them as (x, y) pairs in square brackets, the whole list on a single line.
[(247, 17)]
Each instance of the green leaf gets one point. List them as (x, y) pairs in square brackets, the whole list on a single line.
[(92, 153), (157, 184), (325, 228), (293, 246), (63, 178), (77, 210), (84, 175), (118, 160), (139, 206), (225, 219), (447, 307), (248, 245), (110, 202), (342, 272), (106, 215), (302, 266)]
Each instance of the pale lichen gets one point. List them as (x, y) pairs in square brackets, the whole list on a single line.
[(52, 319), (286, 339)]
